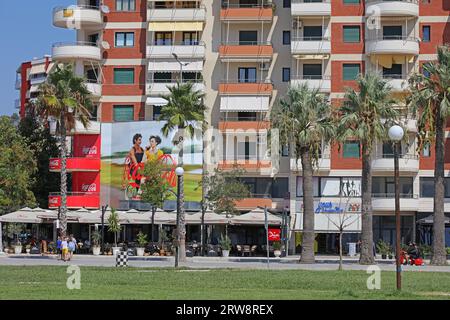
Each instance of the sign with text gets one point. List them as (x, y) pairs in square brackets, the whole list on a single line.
[(274, 234)]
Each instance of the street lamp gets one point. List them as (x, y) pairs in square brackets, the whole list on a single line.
[(396, 135), (182, 64), (180, 212)]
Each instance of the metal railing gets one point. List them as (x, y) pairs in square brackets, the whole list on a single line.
[(393, 76), (310, 38), (263, 5), (392, 195), (246, 43), (178, 43), (311, 77), (184, 6), (75, 43), (76, 7)]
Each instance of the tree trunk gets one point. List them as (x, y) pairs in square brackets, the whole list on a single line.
[(63, 154), (307, 255), (202, 228), (439, 252), (181, 146), (182, 226), (153, 223), (340, 249), (366, 256)]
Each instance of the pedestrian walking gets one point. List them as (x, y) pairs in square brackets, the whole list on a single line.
[(59, 248), (65, 249)]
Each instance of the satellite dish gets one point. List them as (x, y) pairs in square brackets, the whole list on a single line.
[(104, 9), (105, 45)]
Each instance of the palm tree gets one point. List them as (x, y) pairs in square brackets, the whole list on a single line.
[(64, 98), (364, 116), (185, 113), (430, 102), (304, 122)]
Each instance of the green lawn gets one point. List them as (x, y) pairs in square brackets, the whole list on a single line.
[(39, 282)]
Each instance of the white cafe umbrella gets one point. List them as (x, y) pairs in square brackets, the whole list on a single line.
[(256, 217)]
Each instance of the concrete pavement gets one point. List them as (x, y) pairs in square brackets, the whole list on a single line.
[(289, 263)]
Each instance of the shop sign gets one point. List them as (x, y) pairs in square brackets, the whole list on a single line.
[(274, 234)]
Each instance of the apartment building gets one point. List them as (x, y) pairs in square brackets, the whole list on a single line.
[(243, 54)]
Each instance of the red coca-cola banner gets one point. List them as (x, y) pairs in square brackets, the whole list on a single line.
[(274, 234), (86, 146), (86, 182)]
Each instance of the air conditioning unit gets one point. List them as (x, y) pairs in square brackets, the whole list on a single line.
[(297, 24), (263, 66)]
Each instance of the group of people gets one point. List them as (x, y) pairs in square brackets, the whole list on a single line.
[(66, 247)]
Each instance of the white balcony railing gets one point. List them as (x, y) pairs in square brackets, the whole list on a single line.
[(77, 17), (310, 45), (393, 8), (17, 103), (407, 163), (310, 8), (323, 83), (80, 50), (176, 14), (158, 88), (393, 45), (182, 50)]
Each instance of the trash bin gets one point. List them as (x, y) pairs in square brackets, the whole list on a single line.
[(352, 249), (122, 259)]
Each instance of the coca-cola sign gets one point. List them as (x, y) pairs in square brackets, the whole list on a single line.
[(89, 151), (89, 187), (53, 201), (55, 163)]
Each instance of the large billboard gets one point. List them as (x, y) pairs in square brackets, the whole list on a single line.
[(126, 145)]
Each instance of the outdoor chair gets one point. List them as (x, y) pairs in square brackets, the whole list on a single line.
[(253, 250), (246, 250), (239, 249)]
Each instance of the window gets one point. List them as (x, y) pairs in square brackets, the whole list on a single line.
[(316, 189), (312, 71), (351, 149), (156, 112), (247, 75), (285, 151), (392, 32), (286, 74), (123, 113), (163, 38), (426, 152), (425, 72), (394, 72), (312, 33), (286, 37), (350, 71), (351, 1), (248, 37), (124, 39), (246, 150), (286, 3), (93, 38), (351, 187), (384, 187), (330, 187), (280, 188), (190, 38), (162, 77), (388, 150), (123, 76), (426, 33), (426, 187), (352, 34), (126, 5)]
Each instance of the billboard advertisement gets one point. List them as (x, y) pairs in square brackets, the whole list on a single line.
[(128, 145)]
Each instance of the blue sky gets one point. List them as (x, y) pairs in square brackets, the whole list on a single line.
[(28, 32)]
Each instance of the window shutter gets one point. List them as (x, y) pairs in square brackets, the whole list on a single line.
[(123, 113), (350, 71), (351, 34), (124, 76)]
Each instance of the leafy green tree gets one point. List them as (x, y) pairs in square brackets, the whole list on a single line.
[(430, 103), (155, 188), (17, 168), (114, 224), (365, 116), (304, 121), (185, 113), (64, 99), (42, 146)]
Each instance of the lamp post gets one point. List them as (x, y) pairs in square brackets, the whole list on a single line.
[(396, 135), (181, 231), (182, 64), (104, 208)]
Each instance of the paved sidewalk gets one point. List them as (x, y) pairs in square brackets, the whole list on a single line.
[(289, 263)]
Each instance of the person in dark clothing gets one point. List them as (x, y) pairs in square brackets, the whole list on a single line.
[(413, 251)]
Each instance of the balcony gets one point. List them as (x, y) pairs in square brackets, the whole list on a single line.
[(159, 88), (246, 12), (76, 51), (189, 49), (401, 45), (75, 200), (18, 84), (398, 82), (385, 163), (17, 103), (38, 80), (230, 87), (77, 17), (323, 83), (248, 165), (324, 164), (252, 51), (243, 123), (310, 8), (76, 165), (393, 8), (94, 88), (176, 14), (254, 202), (320, 46), (386, 202)]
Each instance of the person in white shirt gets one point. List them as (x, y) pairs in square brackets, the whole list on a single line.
[(65, 249)]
